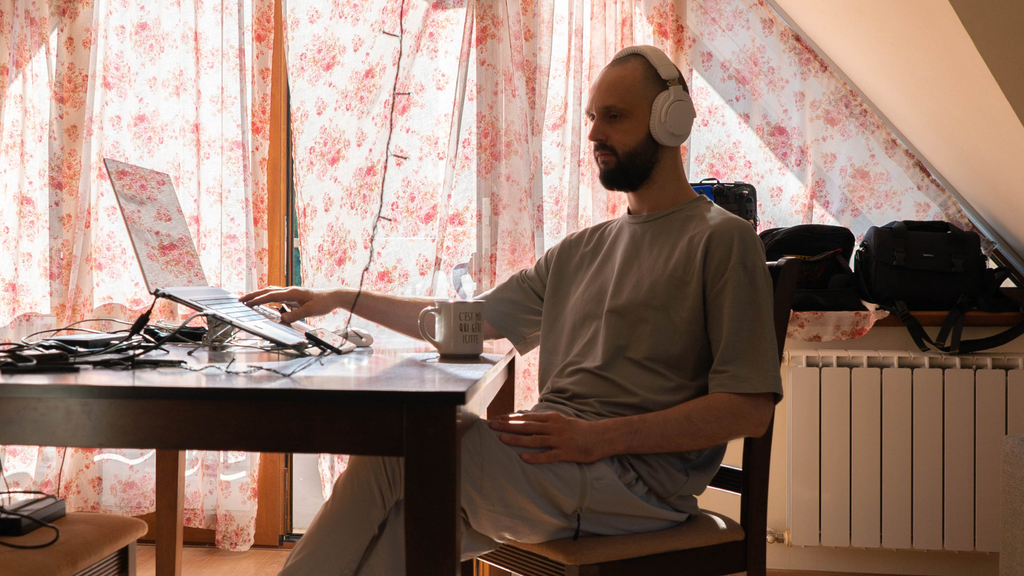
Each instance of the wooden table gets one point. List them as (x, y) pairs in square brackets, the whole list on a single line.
[(398, 400)]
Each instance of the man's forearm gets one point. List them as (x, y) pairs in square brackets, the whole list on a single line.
[(398, 313), (695, 425)]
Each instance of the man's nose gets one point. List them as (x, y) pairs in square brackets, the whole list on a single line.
[(595, 135)]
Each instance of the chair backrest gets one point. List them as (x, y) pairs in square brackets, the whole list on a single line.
[(757, 452)]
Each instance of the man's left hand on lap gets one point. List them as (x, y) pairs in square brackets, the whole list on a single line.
[(566, 439)]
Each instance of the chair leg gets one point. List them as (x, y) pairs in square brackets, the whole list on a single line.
[(132, 554)]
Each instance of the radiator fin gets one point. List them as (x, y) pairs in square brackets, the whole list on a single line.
[(897, 457), (1015, 402), (866, 457), (990, 427), (928, 400), (804, 456), (835, 457), (958, 467)]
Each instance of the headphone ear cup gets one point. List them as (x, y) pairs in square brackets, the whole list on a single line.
[(672, 116), (658, 129)]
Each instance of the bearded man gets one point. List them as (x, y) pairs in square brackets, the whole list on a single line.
[(658, 349)]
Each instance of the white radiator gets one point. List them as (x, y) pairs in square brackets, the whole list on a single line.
[(899, 450)]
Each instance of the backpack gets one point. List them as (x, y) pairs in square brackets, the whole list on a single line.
[(737, 197), (909, 265), (826, 281)]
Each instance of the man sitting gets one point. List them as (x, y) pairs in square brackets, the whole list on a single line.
[(658, 348)]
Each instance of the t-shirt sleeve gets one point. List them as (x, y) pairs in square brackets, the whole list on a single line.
[(738, 303), (514, 307)]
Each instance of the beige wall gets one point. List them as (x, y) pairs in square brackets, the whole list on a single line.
[(997, 29)]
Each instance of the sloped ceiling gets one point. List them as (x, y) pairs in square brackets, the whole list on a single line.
[(995, 27), (917, 62)]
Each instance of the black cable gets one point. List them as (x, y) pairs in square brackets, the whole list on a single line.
[(60, 471), (384, 172), (254, 369), (134, 348), (142, 320)]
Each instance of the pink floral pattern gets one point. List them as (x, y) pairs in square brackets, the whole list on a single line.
[(772, 113), (161, 240), (832, 326), (180, 86), (489, 152)]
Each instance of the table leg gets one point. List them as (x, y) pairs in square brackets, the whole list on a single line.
[(170, 501), (504, 402), (432, 509)]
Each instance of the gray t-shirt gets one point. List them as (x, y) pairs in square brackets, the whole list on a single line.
[(642, 313)]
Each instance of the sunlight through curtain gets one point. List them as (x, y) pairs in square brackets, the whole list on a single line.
[(182, 87), (489, 153)]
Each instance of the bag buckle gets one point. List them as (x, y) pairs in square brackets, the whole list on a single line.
[(958, 263), (964, 302), (901, 256), (900, 309)]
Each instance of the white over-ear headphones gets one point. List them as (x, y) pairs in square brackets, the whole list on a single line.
[(672, 113)]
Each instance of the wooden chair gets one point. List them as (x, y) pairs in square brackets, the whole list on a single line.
[(710, 544)]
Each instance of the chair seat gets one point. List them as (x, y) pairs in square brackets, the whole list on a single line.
[(85, 539), (707, 529)]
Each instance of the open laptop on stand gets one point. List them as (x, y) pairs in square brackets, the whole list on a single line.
[(170, 263)]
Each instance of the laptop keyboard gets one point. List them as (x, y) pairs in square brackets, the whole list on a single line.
[(231, 308)]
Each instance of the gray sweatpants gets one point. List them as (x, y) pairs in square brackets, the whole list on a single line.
[(360, 529)]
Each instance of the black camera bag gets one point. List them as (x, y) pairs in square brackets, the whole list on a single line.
[(908, 265), (739, 198), (806, 240), (826, 281)]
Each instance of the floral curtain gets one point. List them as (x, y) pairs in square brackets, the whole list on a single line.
[(179, 86), (772, 113), (485, 159)]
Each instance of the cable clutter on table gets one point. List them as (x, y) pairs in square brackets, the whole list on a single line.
[(140, 345)]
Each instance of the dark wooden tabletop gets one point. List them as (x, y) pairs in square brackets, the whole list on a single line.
[(354, 403), (399, 370)]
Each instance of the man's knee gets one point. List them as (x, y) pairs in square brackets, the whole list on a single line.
[(385, 474)]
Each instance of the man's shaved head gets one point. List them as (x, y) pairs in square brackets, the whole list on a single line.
[(652, 82), (619, 110)]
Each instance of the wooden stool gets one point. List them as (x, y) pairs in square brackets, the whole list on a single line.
[(90, 543)]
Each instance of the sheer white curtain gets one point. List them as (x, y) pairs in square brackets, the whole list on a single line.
[(488, 150), (181, 87)]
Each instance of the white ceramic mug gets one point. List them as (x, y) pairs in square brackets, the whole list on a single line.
[(458, 327)]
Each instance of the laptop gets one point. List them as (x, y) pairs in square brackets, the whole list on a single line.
[(169, 261)]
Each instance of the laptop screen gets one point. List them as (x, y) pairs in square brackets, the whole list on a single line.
[(156, 225)]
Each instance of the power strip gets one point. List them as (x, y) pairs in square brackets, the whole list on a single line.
[(45, 508)]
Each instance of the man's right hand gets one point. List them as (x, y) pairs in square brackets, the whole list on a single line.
[(309, 302)]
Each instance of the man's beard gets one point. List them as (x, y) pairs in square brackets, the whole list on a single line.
[(632, 167)]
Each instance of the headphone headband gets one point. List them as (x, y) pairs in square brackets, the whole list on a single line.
[(672, 113), (666, 69)]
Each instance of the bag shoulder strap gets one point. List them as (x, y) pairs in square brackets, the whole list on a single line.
[(952, 327)]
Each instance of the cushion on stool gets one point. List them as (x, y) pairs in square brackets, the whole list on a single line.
[(85, 539), (706, 529)]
